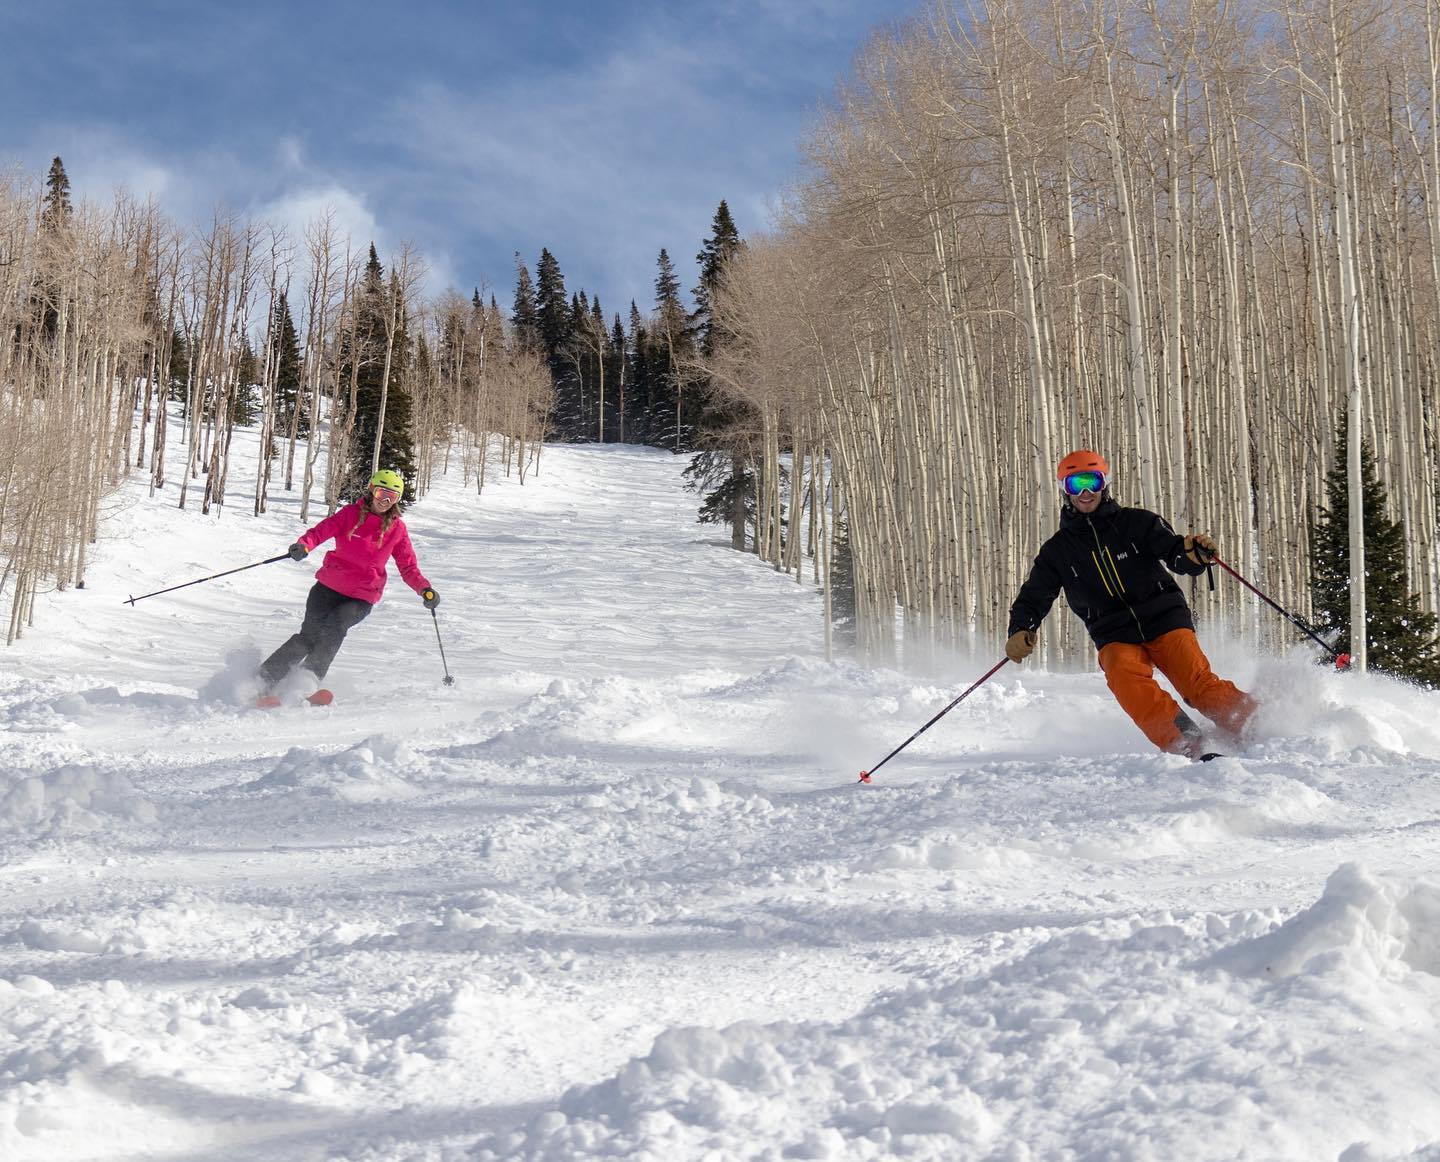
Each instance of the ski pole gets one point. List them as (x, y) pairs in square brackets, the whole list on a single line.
[(212, 577), (1342, 661), (449, 681), (865, 775)]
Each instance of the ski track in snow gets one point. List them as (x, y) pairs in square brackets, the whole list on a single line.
[(617, 894)]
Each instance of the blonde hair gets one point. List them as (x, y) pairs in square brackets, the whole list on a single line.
[(387, 518)]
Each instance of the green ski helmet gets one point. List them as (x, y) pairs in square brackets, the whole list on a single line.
[(389, 478)]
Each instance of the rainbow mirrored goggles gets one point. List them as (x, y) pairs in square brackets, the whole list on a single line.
[(380, 492), (1080, 482)]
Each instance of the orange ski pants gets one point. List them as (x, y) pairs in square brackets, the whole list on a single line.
[(1130, 674)]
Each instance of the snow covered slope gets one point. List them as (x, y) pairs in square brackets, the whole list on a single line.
[(616, 892)]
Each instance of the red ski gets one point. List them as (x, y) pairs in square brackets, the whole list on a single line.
[(271, 701)]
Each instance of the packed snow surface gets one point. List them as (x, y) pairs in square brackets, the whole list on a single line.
[(617, 893)]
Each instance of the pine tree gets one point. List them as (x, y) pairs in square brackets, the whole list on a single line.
[(580, 366), (674, 417), (1400, 635), (245, 406), (719, 414), (552, 306), (179, 386), (524, 321), (843, 621), (641, 402), (728, 497), (602, 366), (366, 349), (288, 393), (554, 311), (55, 215), (715, 255), (619, 374), (57, 210)]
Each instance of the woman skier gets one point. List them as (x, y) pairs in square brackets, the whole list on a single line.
[(1111, 562), (349, 584)]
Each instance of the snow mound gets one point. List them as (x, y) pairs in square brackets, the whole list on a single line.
[(608, 710), (73, 798), (696, 795), (56, 1118), (1362, 924), (85, 705), (717, 1092), (1220, 802), (379, 768), (75, 1057), (953, 854)]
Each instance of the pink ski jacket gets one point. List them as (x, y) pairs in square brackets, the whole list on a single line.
[(356, 565)]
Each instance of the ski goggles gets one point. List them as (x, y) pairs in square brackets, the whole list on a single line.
[(379, 492), (1079, 482)]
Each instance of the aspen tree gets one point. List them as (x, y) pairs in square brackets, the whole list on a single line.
[(1164, 281)]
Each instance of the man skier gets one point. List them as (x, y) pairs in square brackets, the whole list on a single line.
[(1111, 562)]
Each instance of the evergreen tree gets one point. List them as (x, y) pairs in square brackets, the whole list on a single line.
[(619, 374), (288, 391), (1400, 635), (494, 327), (57, 210), (580, 366), (721, 415), (843, 621), (366, 348), (728, 496), (245, 405), (552, 307), (179, 366), (602, 364), (675, 408), (554, 312), (715, 254), (524, 320), (597, 317), (55, 215), (641, 401)]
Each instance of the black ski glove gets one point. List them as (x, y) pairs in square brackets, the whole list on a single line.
[(1200, 548), (430, 598), (298, 552)]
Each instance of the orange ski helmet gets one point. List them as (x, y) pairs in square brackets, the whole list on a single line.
[(1082, 461)]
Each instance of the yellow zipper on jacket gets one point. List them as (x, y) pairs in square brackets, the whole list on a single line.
[(1102, 554)]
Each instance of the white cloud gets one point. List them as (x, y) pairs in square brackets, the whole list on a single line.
[(297, 209), (291, 152), (99, 162), (605, 163)]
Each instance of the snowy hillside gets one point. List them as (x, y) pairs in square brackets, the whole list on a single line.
[(616, 892)]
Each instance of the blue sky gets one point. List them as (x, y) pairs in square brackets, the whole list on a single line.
[(603, 130)]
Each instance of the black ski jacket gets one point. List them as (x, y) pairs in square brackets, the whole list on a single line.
[(1111, 565)]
